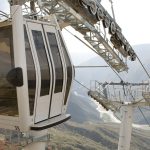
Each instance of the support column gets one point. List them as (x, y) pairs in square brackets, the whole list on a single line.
[(36, 146), (20, 61), (125, 128), (40, 140)]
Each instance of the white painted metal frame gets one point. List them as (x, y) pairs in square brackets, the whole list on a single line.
[(57, 98), (42, 102), (73, 73), (22, 121), (20, 61), (125, 128)]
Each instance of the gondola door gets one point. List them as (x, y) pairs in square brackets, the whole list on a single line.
[(55, 50), (43, 71)]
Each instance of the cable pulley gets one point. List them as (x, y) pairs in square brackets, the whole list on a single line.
[(92, 7), (100, 14)]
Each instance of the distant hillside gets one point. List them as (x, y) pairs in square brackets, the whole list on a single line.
[(82, 109), (135, 72), (74, 136)]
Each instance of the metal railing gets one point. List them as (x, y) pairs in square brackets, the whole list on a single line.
[(119, 92)]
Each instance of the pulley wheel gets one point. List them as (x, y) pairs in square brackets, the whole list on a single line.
[(112, 28), (106, 21), (92, 8), (100, 14), (81, 2), (133, 57)]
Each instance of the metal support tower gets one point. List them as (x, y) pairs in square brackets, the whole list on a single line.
[(125, 128), (98, 93), (37, 144)]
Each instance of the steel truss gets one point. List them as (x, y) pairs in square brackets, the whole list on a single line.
[(135, 96), (91, 31)]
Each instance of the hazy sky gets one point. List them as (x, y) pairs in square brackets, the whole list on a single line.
[(4, 6), (133, 17)]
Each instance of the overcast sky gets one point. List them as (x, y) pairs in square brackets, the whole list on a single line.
[(133, 17), (4, 6)]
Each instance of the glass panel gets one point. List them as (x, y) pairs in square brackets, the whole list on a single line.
[(8, 95), (30, 73), (45, 70), (69, 69), (57, 62)]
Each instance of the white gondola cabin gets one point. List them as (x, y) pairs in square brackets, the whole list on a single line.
[(35, 74)]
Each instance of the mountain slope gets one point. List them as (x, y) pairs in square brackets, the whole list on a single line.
[(74, 136), (82, 109), (134, 74)]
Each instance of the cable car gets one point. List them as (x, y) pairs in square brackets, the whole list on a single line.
[(36, 74)]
